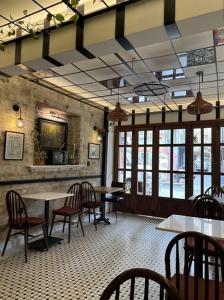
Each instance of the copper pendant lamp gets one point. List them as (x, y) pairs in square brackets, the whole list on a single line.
[(199, 106), (118, 114)]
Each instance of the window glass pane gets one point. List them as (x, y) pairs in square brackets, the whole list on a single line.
[(207, 135), (197, 159), (148, 184), (141, 158), (121, 138), (164, 184), (149, 137), (128, 182), (141, 135), (164, 136), (222, 135), (128, 157), (164, 158), (207, 182), (149, 158), (179, 136), (222, 159), (121, 158), (140, 187), (207, 159), (179, 186), (167, 72), (120, 176), (197, 185), (129, 138), (197, 136), (222, 182), (179, 158)]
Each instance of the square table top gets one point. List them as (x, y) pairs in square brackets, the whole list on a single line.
[(179, 223), (46, 196), (220, 199), (107, 190)]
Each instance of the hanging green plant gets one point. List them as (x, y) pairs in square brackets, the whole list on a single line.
[(34, 28)]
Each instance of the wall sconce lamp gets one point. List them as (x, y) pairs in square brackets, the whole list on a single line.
[(20, 122), (100, 133)]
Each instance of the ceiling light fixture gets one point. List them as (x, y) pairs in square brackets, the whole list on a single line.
[(118, 114), (100, 133), (20, 122), (151, 89), (199, 106)]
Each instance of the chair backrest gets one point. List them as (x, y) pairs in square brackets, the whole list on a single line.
[(178, 258), (215, 191), (206, 206), (143, 275), (16, 209), (88, 193), (76, 200)]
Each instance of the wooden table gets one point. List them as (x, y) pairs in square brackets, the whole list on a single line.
[(46, 197), (106, 190), (179, 223)]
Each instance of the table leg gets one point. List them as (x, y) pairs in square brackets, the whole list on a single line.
[(102, 217), (40, 244)]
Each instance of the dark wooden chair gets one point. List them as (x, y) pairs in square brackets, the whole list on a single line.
[(167, 290), (215, 191), (20, 221), (203, 282), (90, 202), (206, 206), (115, 198), (72, 207)]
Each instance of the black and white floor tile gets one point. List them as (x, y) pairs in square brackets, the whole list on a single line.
[(82, 269)]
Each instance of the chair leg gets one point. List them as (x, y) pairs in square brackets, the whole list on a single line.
[(116, 211), (80, 220), (69, 229), (25, 243), (52, 224), (63, 230), (6, 241), (45, 236), (89, 215), (94, 212)]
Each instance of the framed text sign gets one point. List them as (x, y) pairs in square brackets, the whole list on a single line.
[(14, 145), (94, 151)]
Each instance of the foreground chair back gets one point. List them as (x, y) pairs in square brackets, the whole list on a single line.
[(89, 200), (19, 220), (206, 206), (130, 279), (72, 206), (205, 281), (215, 191)]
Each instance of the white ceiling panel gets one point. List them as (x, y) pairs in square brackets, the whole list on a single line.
[(220, 53), (58, 81), (139, 66), (207, 69), (90, 64), (87, 95), (220, 66), (92, 87), (111, 59), (75, 89), (79, 78), (191, 42), (103, 93), (155, 50), (163, 63), (65, 70), (102, 74), (122, 70)]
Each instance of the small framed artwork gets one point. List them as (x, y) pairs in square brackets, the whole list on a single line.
[(14, 145), (93, 151)]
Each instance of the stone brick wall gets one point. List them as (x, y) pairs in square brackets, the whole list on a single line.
[(28, 95)]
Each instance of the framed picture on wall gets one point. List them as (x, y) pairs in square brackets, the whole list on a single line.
[(93, 151), (14, 145)]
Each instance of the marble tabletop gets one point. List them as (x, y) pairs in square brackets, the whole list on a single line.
[(46, 196), (179, 223)]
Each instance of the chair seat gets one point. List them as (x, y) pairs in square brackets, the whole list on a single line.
[(32, 221), (191, 245), (66, 211), (91, 204), (201, 288)]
